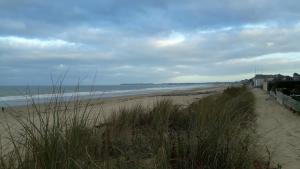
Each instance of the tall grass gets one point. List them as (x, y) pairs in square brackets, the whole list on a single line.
[(212, 133)]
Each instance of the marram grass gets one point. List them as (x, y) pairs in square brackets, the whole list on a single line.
[(215, 132)]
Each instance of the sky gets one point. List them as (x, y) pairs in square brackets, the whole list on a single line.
[(153, 41)]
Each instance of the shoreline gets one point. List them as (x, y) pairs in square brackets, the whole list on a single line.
[(105, 107), (173, 93), (144, 130), (12, 98)]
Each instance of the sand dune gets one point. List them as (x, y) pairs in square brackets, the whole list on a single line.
[(108, 105)]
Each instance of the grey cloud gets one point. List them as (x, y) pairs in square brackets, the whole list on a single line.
[(151, 16), (102, 35)]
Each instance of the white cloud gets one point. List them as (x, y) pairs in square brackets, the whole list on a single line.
[(195, 78), (122, 68), (257, 26), (181, 66), (159, 69), (275, 59), (87, 34), (173, 39), (270, 44), (211, 31), (34, 43)]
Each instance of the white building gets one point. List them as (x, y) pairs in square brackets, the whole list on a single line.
[(259, 79)]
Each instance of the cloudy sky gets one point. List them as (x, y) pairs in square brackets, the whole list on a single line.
[(131, 41)]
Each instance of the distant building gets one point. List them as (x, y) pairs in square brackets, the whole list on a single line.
[(296, 76), (245, 82), (262, 81), (266, 85), (282, 77), (259, 79)]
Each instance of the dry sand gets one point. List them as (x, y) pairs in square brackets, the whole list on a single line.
[(279, 130), (108, 105)]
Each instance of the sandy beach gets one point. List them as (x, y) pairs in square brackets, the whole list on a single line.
[(106, 106), (182, 97), (277, 127)]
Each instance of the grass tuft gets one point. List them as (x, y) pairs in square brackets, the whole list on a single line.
[(213, 133)]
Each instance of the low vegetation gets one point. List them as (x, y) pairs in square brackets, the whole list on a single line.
[(213, 133)]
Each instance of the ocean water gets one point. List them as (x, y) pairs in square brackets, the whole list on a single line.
[(22, 95)]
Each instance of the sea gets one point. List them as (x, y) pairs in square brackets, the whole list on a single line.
[(23, 95)]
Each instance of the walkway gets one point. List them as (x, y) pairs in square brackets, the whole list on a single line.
[(279, 130)]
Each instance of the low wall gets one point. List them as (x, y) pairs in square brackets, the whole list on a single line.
[(286, 101)]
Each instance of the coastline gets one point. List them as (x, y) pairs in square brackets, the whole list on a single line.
[(106, 106), (179, 96), (162, 123), (13, 96)]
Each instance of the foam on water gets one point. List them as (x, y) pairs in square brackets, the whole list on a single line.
[(17, 100)]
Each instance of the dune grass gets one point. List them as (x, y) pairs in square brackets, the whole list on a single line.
[(213, 133)]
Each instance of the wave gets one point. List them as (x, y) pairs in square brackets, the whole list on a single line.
[(42, 98)]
